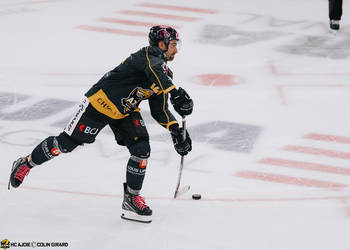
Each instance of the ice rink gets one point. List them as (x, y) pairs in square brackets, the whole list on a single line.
[(270, 128)]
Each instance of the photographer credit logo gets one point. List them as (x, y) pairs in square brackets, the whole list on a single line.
[(6, 244)]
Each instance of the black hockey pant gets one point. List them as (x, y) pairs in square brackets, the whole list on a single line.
[(335, 9), (83, 128)]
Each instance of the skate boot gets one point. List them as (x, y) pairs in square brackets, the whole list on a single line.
[(20, 169), (134, 208), (334, 24)]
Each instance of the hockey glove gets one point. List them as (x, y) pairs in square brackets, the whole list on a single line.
[(182, 147), (181, 101)]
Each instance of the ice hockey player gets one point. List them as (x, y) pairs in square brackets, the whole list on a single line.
[(335, 8), (114, 101)]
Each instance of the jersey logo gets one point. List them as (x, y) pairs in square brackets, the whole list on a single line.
[(156, 89), (135, 97)]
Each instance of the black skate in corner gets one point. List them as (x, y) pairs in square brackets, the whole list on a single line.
[(20, 169), (334, 25), (134, 208)]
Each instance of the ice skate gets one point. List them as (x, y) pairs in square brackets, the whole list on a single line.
[(334, 25), (20, 169), (134, 208)]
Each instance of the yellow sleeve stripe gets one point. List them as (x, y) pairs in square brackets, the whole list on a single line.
[(149, 65), (168, 89), (171, 123), (168, 124)]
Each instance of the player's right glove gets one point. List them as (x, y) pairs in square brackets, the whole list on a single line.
[(181, 101), (182, 147)]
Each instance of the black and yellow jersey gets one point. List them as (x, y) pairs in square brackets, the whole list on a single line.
[(144, 75)]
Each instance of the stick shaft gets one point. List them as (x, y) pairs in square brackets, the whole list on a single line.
[(182, 159)]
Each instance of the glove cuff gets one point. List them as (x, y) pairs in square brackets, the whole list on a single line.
[(174, 128), (173, 92)]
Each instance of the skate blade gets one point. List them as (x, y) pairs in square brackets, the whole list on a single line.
[(128, 215), (334, 32)]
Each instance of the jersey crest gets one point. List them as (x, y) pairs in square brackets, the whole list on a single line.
[(135, 97)]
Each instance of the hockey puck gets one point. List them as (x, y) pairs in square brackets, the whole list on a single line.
[(196, 196)]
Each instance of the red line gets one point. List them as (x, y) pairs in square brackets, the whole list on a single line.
[(173, 7), (345, 202), (317, 151), (281, 92), (306, 166), (281, 95), (130, 22), (158, 15), (187, 199), (110, 30), (272, 67), (330, 138), (288, 180)]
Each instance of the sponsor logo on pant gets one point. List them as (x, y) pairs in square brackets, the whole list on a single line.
[(139, 123), (74, 121), (55, 151), (136, 171), (88, 130), (143, 163), (76, 116)]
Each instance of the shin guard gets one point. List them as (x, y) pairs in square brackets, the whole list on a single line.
[(135, 174), (46, 150)]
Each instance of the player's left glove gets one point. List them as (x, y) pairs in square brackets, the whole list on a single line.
[(181, 101), (182, 146)]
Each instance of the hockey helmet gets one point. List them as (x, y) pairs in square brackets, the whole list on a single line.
[(162, 33)]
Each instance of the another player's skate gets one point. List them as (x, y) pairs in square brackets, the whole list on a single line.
[(134, 208), (20, 169), (334, 26)]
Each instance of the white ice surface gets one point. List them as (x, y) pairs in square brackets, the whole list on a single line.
[(76, 198)]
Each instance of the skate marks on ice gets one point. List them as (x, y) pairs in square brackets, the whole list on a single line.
[(231, 36), (223, 135), (9, 99), (15, 11), (24, 138), (25, 3), (9, 7), (270, 28), (284, 68), (228, 136), (318, 46), (19, 107)]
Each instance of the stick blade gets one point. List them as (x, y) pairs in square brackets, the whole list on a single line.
[(181, 191)]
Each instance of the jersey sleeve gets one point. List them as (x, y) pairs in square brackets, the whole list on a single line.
[(160, 112), (157, 72)]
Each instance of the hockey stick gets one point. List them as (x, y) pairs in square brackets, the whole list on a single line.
[(187, 187)]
